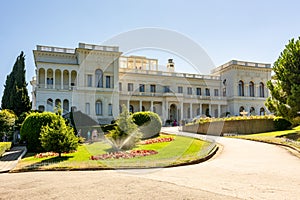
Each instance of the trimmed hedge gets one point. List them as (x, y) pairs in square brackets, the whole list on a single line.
[(31, 129), (4, 146), (149, 123)]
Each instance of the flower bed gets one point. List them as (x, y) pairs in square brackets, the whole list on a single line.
[(45, 155), (124, 154), (48, 154), (157, 140)]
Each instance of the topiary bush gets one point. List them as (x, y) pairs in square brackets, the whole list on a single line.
[(149, 123), (281, 124), (31, 129)]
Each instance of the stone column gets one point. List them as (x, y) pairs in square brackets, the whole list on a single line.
[(62, 80), (151, 106), (200, 108), (54, 79), (46, 78), (209, 107), (219, 110), (181, 110), (128, 104), (141, 104), (69, 85), (191, 111)]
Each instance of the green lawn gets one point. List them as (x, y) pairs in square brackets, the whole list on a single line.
[(286, 137), (181, 150)]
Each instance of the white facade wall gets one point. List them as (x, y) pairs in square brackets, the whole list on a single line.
[(71, 76)]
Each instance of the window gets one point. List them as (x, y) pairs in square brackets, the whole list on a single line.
[(261, 89), (188, 112), (198, 90), (89, 80), (98, 108), (166, 89), (41, 108), (153, 88), (251, 89), (262, 111), (189, 90), (216, 92), (120, 86), (130, 87), (110, 113), (207, 92), (142, 87), (180, 89), (241, 88), (108, 81), (50, 81), (87, 108), (224, 92), (99, 78), (252, 111)]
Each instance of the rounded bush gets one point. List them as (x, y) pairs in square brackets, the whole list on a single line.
[(149, 123), (281, 124), (31, 129)]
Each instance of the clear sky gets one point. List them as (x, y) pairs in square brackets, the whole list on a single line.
[(253, 30)]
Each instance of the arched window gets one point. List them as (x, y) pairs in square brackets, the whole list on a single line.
[(41, 108), (251, 89), (131, 109), (98, 107), (262, 111), (57, 102), (241, 88), (65, 106), (252, 111), (49, 104), (99, 78), (110, 112), (261, 89)]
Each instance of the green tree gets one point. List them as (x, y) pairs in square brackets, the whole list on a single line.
[(7, 121), (58, 137), (15, 96), (31, 129), (285, 84), (126, 133)]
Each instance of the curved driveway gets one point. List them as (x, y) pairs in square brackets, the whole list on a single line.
[(241, 170)]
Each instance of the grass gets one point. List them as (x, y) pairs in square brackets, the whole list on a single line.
[(180, 151), (287, 137)]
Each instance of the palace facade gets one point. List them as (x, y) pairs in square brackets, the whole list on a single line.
[(97, 80)]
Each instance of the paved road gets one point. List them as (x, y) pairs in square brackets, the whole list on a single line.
[(241, 170)]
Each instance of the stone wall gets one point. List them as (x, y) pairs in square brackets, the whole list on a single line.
[(232, 127)]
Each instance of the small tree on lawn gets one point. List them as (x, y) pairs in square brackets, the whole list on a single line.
[(58, 137), (126, 133)]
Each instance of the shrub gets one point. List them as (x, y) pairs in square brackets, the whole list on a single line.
[(31, 129), (149, 123), (58, 137), (281, 124), (126, 133), (4, 146)]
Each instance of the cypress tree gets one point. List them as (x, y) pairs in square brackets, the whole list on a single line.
[(15, 96)]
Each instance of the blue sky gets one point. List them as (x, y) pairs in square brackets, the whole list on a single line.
[(232, 29)]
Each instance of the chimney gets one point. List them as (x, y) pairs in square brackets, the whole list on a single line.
[(170, 65)]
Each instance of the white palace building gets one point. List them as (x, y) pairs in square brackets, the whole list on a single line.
[(97, 80)]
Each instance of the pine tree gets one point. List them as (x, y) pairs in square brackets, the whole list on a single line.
[(15, 96), (285, 84)]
